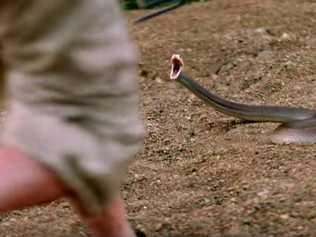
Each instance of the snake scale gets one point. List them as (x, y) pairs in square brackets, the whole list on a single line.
[(298, 125)]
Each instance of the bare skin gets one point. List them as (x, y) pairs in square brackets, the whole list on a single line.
[(25, 182), (110, 222)]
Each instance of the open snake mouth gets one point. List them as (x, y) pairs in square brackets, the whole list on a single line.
[(176, 66)]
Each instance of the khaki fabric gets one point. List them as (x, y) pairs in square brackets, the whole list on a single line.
[(72, 93)]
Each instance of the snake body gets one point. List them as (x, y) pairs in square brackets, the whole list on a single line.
[(175, 4), (298, 125), (243, 111)]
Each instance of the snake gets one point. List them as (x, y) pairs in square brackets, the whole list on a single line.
[(175, 4), (297, 124)]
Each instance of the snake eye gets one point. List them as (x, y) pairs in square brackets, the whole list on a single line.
[(176, 66)]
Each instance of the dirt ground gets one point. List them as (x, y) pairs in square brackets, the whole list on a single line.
[(202, 173)]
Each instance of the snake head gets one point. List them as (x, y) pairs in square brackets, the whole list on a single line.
[(176, 66)]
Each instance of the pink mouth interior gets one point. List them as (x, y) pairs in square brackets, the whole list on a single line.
[(176, 68)]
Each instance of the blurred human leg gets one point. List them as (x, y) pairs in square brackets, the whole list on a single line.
[(25, 182), (71, 80), (110, 221)]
